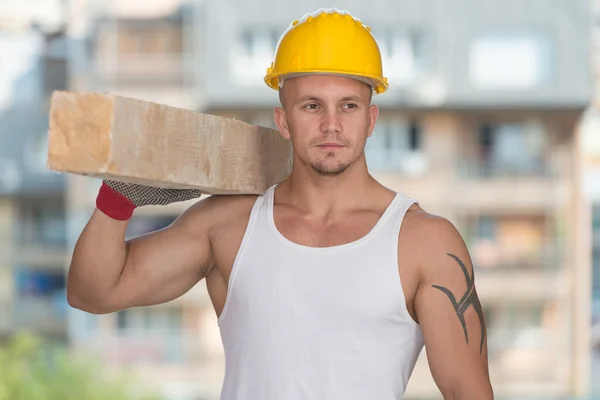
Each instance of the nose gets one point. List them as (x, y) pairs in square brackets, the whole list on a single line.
[(331, 121)]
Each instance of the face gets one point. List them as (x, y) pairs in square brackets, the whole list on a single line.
[(328, 119)]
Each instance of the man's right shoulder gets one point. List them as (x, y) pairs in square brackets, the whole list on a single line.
[(219, 209), (225, 205)]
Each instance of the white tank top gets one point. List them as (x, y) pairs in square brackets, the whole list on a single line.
[(306, 323)]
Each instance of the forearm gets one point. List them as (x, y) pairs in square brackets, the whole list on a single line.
[(482, 391), (98, 260)]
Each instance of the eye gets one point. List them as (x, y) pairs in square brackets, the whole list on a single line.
[(311, 106), (350, 105)]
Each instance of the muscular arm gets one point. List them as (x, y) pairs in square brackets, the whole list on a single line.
[(450, 314), (108, 273)]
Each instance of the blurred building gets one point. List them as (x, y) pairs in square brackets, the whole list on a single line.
[(32, 213), (481, 124), (591, 179), (148, 50)]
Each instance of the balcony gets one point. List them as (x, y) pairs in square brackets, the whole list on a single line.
[(5, 252), (40, 255), (506, 193), (141, 69), (522, 286), (43, 315), (149, 347), (489, 169), (596, 238), (520, 268), (523, 363)]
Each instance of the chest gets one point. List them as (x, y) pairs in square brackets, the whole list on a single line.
[(274, 283), (324, 232), (338, 281)]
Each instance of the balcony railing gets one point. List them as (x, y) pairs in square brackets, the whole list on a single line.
[(524, 354), (164, 346), (473, 169), (493, 257), (45, 315), (155, 69)]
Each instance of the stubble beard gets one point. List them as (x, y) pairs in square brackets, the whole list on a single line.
[(322, 168)]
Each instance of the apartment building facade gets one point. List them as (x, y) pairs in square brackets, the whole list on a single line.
[(591, 179), (146, 50), (32, 213), (481, 125)]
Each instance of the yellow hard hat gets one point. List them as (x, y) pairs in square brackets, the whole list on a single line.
[(328, 42)]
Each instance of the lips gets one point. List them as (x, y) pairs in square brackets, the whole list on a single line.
[(330, 145)]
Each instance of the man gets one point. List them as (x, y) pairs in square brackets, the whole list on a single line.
[(328, 285)]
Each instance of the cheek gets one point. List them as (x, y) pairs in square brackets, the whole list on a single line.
[(303, 129), (355, 128)]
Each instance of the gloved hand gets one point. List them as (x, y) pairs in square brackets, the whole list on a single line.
[(118, 200)]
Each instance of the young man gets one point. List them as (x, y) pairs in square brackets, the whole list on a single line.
[(328, 285)]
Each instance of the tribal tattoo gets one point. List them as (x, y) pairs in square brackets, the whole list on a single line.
[(468, 299)]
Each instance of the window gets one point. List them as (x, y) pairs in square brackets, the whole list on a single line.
[(596, 220), (139, 37), (395, 146), (414, 138), (37, 154), (42, 222), (513, 243), (510, 62), (596, 271), (486, 228), (253, 54), (514, 326), (596, 251), (401, 54), (39, 283), (264, 119), (514, 149), (153, 334), (590, 127), (10, 175), (151, 319), (138, 52)]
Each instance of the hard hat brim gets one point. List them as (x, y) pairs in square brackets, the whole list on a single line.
[(379, 85)]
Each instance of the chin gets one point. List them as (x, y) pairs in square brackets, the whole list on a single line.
[(329, 169)]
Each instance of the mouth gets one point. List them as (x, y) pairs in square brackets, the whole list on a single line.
[(330, 146)]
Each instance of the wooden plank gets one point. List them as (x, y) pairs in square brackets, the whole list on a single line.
[(116, 137)]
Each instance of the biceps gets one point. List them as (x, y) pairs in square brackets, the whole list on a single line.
[(453, 326), (161, 266)]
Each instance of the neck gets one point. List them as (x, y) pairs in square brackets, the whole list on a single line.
[(320, 194)]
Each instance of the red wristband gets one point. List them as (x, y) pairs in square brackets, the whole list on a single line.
[(114, 204)]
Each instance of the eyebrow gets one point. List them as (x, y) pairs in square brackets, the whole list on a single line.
[(313, 98)]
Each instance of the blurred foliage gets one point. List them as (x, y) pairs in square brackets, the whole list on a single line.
[(31, 369)]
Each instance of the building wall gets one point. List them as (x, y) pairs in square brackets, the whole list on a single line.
[(6, 279), (32, 254), (498, 160), (436, 53), (151, 55)]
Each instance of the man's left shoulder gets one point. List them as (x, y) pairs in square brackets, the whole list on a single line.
[(432, 238), (429, 229)]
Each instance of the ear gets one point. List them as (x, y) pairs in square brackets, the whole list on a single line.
[(281, 122), (373, 115)]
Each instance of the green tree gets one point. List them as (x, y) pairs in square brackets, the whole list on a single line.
[(31, 369)]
